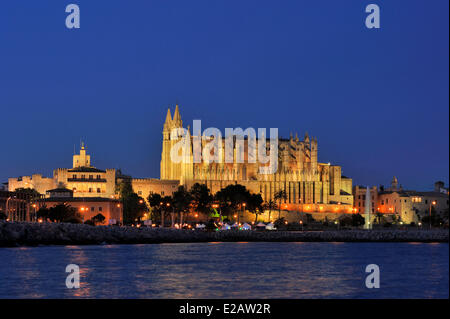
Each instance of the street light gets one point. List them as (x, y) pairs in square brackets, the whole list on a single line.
[(7, 207), (243, 211), (82, 209), (431, 204), (34, 212)]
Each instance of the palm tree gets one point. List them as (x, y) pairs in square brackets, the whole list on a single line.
[(379, 216), (270, 205), (156, 203), (280, 195)]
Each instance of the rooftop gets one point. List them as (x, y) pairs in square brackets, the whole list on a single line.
[(86, 170)]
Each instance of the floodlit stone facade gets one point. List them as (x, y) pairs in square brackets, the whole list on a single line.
[(310, 186), (407, 205), (83, 179)]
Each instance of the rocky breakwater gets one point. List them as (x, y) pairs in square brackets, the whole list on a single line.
[(34, 234)]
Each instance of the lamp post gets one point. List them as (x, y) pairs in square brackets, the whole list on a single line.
[(34, 212), (82, 210), (431, 204), (141, 201), (7, 207), (162, 214)]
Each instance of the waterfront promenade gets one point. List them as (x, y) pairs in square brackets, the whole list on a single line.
[(34, 234)]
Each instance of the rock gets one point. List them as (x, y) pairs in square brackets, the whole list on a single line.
[(33, 234)]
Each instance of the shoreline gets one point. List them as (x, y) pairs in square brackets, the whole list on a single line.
[(39, 234)]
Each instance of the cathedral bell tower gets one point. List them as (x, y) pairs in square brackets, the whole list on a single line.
[(165, 156), (82, 159), (169, 169)]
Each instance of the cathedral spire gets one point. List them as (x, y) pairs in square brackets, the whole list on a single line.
[(177, 117), (306, 137), (168, 122)]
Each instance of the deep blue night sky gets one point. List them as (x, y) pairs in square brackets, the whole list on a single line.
[(377, 100)]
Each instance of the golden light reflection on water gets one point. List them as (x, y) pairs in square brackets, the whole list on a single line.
[(78, 257), (231, 270)]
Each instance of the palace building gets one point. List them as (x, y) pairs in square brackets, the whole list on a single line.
[(83, 179), (409, 206)]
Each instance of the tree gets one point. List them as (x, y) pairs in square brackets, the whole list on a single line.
[(378, 217), (43, 213), (346, 221), (436, 220), (63, 213), (31, 193), (270, 205), (396, 219), (155, 202), (232, 197), (357, 220), (255, 205), (134, 206), (201, 198), (98, 219), (280, 223), (280, 195), (167, 206), (181, 200), (159, 205)]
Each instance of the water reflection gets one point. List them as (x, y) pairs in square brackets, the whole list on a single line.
[(227, 270), (79, 257)]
